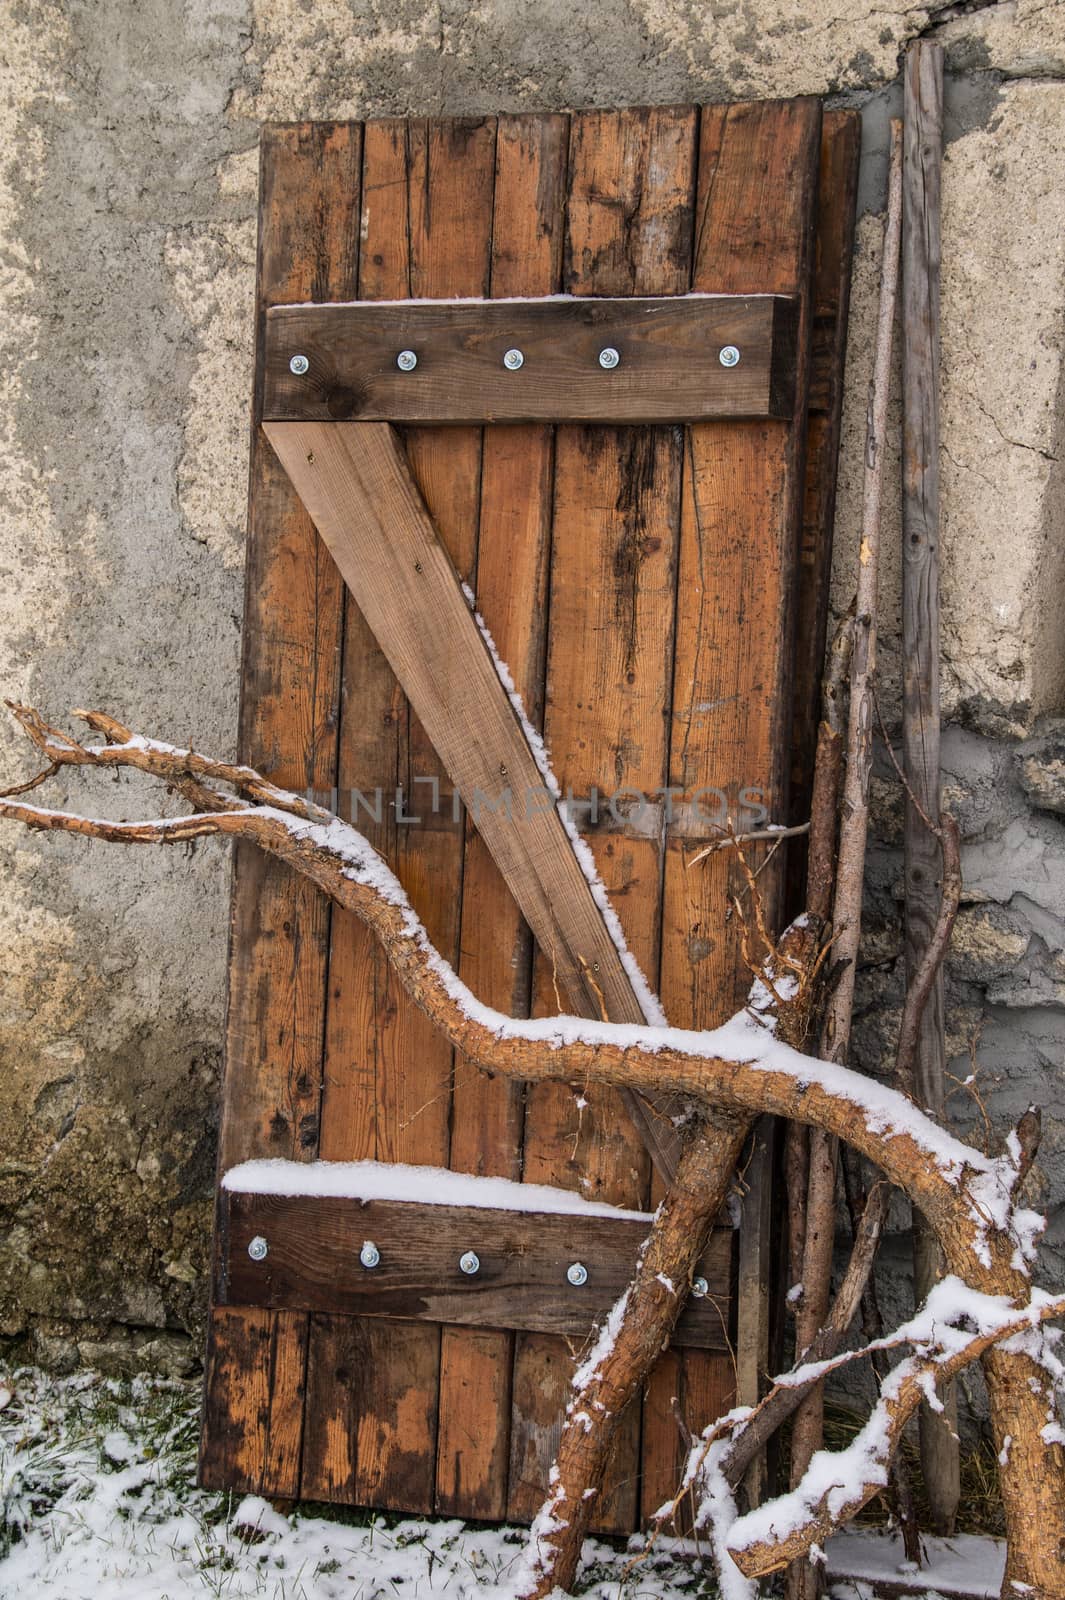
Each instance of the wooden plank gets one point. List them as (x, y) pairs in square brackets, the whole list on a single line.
[(356, 482), (740, 520), (611, 616), (670, 360), (308, 241), (922, 856), (833, 255), (473, 1443), (313, 1264), (425, 226)]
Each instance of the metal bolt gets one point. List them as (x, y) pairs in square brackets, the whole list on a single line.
[(700, 1288), (609, 357), (406, 361), (298, 365), (729, 356), (470, 1263), (577, 1274), (369, 1255), (513, 360), (258, 1247)]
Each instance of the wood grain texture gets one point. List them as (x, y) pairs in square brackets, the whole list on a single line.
[(308, 243), (313, 1264), (629, 231), (590, 530), (425, 226), (740, 520), (668, 361), (513, 555), (357, 483), (833, 254), (922, 184)]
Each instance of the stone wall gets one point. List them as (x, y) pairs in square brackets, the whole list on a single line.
[(127, 204)]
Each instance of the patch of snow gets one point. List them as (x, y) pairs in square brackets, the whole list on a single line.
[(434, 1186), (966, 1564)]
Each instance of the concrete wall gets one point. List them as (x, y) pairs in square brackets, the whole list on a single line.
[(127, 202)]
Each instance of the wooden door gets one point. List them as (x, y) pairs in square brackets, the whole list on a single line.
[(642, 583)]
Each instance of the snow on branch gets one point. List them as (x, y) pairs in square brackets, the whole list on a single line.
[(741, 1065)]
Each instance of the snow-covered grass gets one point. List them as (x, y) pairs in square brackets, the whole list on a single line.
[(98, 1502)]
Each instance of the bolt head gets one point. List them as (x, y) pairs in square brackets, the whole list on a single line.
[(298, 365), (609, 357), (406, 361), (369, 1255), (470, 1263), (729, 356), (258, 1248), (577, 1274), (513, 360), (700, 1288)]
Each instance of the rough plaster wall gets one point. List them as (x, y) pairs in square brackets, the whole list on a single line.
[(127, 199)]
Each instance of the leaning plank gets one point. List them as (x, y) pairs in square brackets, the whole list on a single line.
[(924, 867), (660, 359), (355, 481), (836, 203), (308, 229), (516, 1273)]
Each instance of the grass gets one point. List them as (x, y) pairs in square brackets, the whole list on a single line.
[(98, 1501)]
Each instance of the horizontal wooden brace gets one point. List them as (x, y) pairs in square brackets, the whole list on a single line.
[(683, 358), (312, 1262)]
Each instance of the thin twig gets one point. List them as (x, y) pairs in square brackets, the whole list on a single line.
[(921, 987), (893, 758), (728, 839), (31, 783)]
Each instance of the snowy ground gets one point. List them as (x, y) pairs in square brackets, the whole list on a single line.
[(98, 1502)]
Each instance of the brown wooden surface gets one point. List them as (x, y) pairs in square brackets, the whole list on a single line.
[(922, 183), (669, 368), (833, 254), (631, 182), (731, 683), (313, 1264), (513, 557), (581, 535), (371, 1425), (356, 481), (290, 685)]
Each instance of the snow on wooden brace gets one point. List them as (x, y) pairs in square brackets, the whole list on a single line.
[(686, 358), (497, 1261)]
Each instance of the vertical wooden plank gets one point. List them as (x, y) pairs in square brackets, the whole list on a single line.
[(741, 512), (495, 949), (308, 246), (372, 1424), (833, 255), (629, 231), (922, 181)]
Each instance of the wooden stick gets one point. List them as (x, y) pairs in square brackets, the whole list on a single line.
[(850, 873), (777, 1407), (923, 1055)]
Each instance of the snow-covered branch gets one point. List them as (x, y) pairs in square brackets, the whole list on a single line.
[(732, 1072), (741, 1065)]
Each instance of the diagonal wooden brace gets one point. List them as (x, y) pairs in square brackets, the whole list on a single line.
[(356, 483)]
